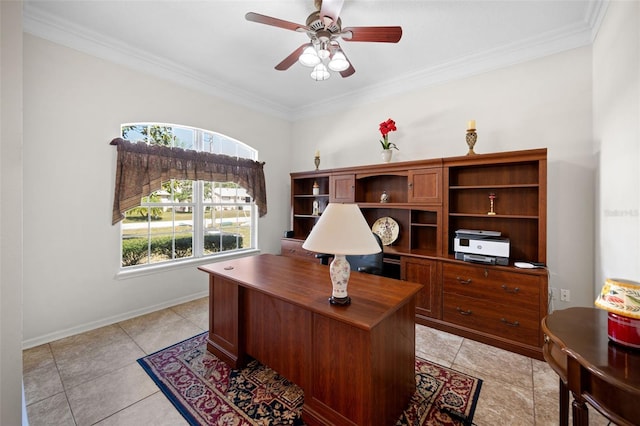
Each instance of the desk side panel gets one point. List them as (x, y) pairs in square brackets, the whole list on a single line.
[(394, 363), (368, 377), (225, 340), (279, 334), (341, 389)]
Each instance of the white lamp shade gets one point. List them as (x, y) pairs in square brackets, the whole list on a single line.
[(320, 73), (309, 57), (338, 62), (342, 229)]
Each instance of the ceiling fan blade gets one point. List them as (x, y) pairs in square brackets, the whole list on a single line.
[(331, 9), (292, 58), (274, 22), (376, 34), (349, 71)]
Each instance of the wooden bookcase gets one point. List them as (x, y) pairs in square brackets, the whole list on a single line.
[(518, 182), (303, 198), (431, 199)]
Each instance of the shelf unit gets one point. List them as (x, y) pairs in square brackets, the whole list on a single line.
[(518, 182), (303, 199), (431, 199)]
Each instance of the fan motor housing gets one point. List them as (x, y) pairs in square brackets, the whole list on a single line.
[(315, 22)]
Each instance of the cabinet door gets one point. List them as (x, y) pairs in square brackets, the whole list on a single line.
[(342, 188), (425, 272), (425, 186)]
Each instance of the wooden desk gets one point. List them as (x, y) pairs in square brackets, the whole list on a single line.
[(356, 363), (595, 370)]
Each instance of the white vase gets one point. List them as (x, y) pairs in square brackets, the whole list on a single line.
[(386, 155)]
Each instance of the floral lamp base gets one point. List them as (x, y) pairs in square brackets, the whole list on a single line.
[(339, 270)]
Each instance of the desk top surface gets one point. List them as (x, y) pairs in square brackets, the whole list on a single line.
[(308, 284), (582, 333)]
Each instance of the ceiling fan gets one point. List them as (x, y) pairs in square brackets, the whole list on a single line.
[(324, 28)]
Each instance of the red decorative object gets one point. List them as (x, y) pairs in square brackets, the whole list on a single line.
[(385, 128), (624, 330)]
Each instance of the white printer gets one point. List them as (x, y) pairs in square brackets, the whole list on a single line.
[(478, 246)]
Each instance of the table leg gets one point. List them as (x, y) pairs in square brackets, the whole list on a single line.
[(564, 404), (580, 412)]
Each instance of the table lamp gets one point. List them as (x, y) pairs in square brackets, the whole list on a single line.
[(341, 230)]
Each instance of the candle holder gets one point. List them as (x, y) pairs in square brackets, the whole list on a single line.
[(492, 196), (472, 136), (316, 161)]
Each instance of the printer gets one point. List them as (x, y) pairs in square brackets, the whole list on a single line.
[(478, 246)]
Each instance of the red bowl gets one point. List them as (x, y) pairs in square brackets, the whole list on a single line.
[(624, 330)]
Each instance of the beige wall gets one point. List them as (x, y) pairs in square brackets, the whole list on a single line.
[(73, 106), (616, 126), (541, 103), (10, 212)]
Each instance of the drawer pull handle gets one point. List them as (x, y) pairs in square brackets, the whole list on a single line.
[(462, 311), (508, 290), (510, 324), (463, 281)]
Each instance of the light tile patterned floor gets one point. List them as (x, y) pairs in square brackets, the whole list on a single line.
[(93, 378)]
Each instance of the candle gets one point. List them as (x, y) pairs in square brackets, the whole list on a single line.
[(471, 125), (317, 153)]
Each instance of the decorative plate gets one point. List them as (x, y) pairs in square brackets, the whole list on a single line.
[(387, 229)]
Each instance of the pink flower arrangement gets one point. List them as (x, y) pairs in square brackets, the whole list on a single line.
[(385, 128)]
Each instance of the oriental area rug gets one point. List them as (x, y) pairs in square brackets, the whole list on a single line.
[(207, 392)]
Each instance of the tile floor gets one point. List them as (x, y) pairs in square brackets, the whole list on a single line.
[(93, 378)]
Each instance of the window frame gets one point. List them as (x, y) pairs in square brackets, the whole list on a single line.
[(197, 204)]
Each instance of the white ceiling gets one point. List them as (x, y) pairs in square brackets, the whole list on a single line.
[(210, 46)]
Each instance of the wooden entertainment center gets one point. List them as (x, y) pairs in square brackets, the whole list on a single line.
[(430, 199)]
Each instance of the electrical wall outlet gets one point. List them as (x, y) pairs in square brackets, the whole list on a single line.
[(565, 295), (554, 293)]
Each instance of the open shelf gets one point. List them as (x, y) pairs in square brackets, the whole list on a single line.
[(369, 189)]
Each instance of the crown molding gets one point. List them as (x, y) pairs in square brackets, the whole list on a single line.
[(567, 38), (60, 31), (595, 14), (82, 39)]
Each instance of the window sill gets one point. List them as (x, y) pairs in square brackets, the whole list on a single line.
[(157, 269)]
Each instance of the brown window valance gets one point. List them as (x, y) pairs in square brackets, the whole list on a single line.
[(142, 168)]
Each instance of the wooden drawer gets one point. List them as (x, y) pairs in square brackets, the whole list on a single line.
[(495, 286), (293, 248), (508, 321)]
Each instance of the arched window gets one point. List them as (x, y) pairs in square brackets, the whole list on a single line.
[(187, 219)]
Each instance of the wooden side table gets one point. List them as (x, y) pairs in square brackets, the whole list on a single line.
[(595, 370)]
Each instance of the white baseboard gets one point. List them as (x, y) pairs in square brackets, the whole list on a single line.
[(40, 340)]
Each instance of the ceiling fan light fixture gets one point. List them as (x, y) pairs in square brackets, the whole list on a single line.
[(309, 57), (324, 51), (320, 73), (338, 62)]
